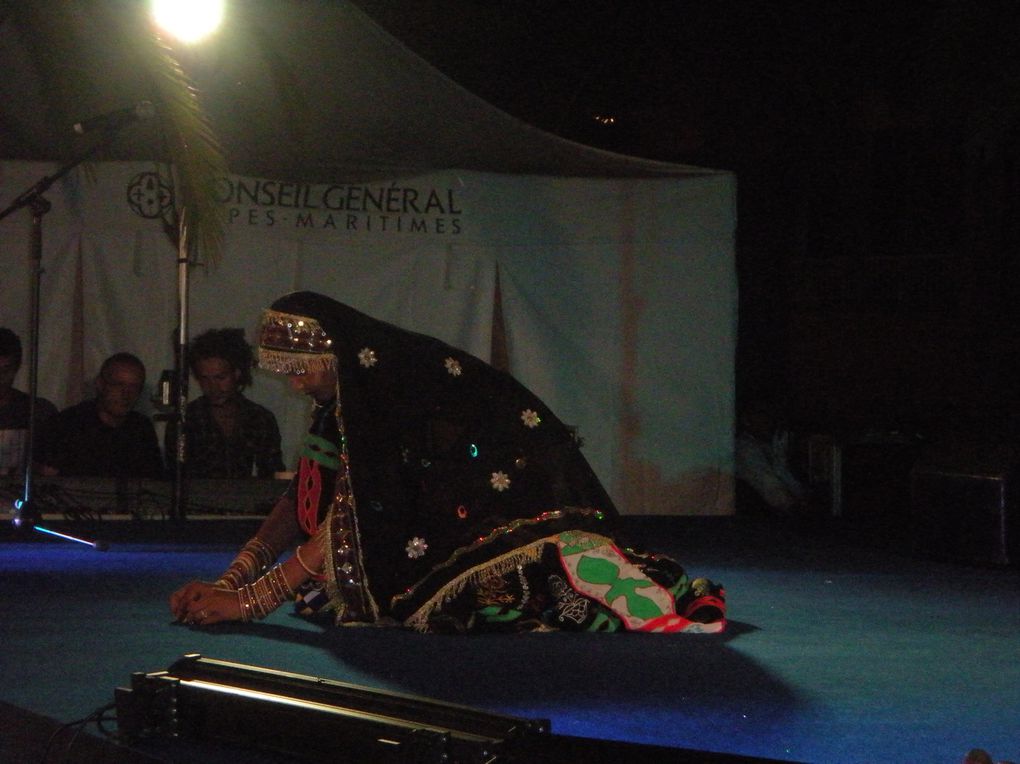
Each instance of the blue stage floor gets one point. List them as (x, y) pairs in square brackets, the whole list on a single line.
[(834, 653)]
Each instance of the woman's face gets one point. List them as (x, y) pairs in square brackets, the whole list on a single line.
[(319, 384)]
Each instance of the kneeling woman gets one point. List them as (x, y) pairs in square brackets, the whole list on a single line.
[(437, 493)]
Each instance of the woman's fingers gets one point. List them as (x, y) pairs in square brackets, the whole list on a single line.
[(181, 601)]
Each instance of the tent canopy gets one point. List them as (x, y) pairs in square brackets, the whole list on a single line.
[(359, 171), (309, 89)]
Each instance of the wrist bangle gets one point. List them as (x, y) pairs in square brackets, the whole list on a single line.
[(251, 561), (317, 575)]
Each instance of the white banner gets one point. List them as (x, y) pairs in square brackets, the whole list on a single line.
[(619, 295)]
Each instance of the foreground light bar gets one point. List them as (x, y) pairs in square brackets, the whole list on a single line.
[(320, 720), (214, 700)]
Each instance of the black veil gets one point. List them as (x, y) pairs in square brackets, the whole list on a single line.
[(448, 465)]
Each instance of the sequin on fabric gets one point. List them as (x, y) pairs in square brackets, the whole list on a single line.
[(346, 582), (291, 344)]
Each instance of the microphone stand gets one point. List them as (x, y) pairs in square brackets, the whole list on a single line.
[(26, 513), (178, 508)]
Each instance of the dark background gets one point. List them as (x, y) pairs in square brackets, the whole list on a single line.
[(875, 150)]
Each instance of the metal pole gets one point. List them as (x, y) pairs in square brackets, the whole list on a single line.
[(25, 512), (178, 510), (27, 508)]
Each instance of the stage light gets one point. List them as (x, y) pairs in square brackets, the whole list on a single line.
[(306, 718), (311, 718), (189, 21)]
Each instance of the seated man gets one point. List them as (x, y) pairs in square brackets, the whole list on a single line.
[(105, 436), (226, 435), (14, 406)]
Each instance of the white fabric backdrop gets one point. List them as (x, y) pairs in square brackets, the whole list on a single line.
[(619, 296)]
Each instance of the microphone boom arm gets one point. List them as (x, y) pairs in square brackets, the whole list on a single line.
[(25, 512)]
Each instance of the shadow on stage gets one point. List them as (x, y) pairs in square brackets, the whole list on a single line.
[(553, 673)]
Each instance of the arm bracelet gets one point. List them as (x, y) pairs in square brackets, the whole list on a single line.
[(263, 595), (252, 561), (316, 575)]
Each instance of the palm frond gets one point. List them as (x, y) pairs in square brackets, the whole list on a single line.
[(191, 146), (68, 41)]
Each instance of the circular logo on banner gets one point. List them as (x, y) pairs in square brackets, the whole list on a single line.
[(149, 195)]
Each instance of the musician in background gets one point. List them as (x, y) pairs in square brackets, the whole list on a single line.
[(14, 407), (226, 435), (104, 436)]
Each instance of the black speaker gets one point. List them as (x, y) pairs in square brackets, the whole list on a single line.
[(964, 505)]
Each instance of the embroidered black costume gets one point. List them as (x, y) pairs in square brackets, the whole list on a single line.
[(450, 498)]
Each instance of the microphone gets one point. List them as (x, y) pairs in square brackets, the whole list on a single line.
[(116, 119)]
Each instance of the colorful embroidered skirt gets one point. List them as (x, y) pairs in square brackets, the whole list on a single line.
[(577, 581)]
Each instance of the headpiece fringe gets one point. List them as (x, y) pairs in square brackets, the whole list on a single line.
[(288, 362)]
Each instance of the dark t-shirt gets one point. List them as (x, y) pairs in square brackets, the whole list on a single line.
[(211, 454), (14, 414), (77, 442), (14, 426)]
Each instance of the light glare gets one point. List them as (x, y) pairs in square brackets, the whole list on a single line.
[(188, 20)]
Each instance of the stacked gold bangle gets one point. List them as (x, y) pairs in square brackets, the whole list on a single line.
[(252, 561), (262, 596)]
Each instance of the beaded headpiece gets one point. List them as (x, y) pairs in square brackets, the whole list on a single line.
[(291, 344)]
